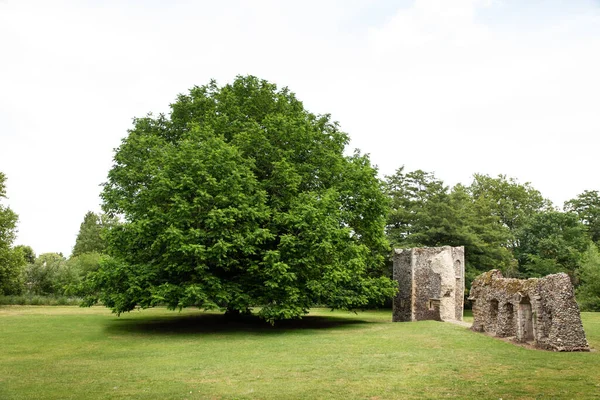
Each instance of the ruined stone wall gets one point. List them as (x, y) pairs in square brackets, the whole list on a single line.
[(559, 325), (431, 284), (542, 311), (402, 304), (427, 284)]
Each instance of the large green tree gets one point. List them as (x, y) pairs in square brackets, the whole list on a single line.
[(510, 201), (505, 201), (12, 260), (552, 242), (240, 198)]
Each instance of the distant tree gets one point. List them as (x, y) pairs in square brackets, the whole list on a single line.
[(11, 261), (11, 267), (241, 197), (484, 235), (424, 212), (588, 293), (49, 275), (587, 206), (512, 202), (78, 269), (90, 237), (85, 263), (28, 253), (552, 242), (413, 195)]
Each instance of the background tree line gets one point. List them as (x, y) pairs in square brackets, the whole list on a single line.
[(22, 273), (502, 223), (241, 197)]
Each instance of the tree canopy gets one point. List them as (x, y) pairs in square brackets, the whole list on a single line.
[(552, 242), (241, 198), (587, 207), (588, 294), (512, 202)]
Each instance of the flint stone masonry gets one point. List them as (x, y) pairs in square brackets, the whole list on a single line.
[(541, 311), (431, 283)]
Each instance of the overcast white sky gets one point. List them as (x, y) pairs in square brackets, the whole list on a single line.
[(449, 86)]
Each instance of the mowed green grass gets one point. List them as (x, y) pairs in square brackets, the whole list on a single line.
[(75, 353)]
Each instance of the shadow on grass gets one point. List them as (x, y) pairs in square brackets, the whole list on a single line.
[(219, 323)]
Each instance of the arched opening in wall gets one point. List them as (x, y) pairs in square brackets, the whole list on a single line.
[(546, 325), (525, 320), (493, 322)]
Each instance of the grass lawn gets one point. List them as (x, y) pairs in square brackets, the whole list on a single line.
[(75, 353)]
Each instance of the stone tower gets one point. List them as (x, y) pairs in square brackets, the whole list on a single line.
[(431, 283)]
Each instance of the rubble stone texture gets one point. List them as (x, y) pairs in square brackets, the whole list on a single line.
[(431, 283), (541, 311)]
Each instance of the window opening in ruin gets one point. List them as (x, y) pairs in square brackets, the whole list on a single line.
[(546, 318), (509, 322), (458, 269), (526, 319), (432, 304), (494, 308)]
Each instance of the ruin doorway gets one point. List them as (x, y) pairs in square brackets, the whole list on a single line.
[(508, 320), (525, 320), (494, 316)]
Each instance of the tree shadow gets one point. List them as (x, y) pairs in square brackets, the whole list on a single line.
[(220, 323)]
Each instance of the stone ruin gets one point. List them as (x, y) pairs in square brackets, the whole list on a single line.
[(541, 311), (431, 282)]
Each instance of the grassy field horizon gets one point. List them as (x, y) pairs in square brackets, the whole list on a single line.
[(66, 352)]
